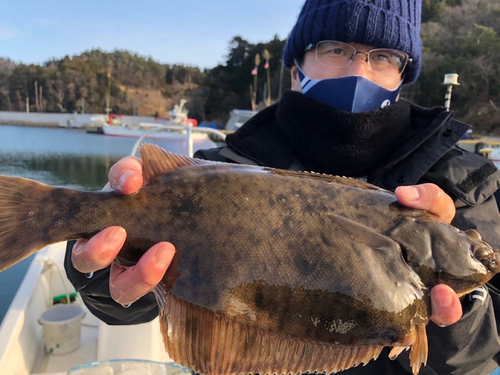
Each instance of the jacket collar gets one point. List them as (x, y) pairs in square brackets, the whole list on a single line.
[(263, 142)]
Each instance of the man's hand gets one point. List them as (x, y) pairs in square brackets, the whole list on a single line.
[(446, 307), (126, 285)]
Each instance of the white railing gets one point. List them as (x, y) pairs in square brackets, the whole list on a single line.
[(188, 129)]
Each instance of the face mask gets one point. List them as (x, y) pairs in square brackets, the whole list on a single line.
[(351, 94)]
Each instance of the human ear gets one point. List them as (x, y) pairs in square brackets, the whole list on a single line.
[(294, 74)]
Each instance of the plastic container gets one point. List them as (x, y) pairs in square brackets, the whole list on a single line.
[(128, 367), (62, 328)]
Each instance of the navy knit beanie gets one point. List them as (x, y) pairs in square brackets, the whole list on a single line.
[(378, 23)]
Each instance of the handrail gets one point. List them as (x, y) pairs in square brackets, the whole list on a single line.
[(189, 134)]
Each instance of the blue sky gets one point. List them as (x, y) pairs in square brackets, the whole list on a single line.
[(193, 32)]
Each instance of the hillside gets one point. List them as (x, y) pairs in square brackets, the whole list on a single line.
[(459, 36), (135, 84)]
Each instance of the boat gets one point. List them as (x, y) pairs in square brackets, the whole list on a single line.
[(165, 131), (22, 344), (95, 124), (176, 127)]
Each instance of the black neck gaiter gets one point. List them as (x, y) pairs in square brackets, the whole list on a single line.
[(328, 140)]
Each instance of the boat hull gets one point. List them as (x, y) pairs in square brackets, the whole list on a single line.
[(116, 131)]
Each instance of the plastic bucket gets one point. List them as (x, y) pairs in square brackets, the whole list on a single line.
[(62, 328)]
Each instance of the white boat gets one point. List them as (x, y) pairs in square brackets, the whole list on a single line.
[(22, 345), (165, 131), (176, 128)]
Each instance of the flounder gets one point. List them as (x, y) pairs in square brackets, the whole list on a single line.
[(275, 271)]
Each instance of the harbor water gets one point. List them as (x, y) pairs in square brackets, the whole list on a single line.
[(63, 157)]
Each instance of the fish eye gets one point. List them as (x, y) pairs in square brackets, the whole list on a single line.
[(483, 254)]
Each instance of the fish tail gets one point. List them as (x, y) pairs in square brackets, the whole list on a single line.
[(21, 219), (419, 350)]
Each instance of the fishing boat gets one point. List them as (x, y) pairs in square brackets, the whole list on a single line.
[(169, 131), (176, 127)]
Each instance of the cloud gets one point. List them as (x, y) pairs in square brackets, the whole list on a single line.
[(8, 33)]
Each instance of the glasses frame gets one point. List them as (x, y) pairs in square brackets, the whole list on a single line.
[(408, 60)]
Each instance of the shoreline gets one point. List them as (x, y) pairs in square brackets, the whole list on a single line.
[(30, 124)]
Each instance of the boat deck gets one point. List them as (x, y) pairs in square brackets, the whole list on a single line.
[(22, 350), (87, 352)]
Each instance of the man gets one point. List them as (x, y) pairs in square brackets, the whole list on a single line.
[(348, 60)]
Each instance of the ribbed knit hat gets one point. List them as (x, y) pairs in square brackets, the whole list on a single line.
[(378, 23)]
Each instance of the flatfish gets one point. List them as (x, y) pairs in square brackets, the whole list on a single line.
[(275, 271)]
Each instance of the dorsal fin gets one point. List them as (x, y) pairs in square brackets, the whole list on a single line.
[(157, 161)]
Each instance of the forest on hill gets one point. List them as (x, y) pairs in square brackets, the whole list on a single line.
[(459, 36)]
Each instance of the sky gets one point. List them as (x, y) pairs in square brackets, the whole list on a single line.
[(190, 32)]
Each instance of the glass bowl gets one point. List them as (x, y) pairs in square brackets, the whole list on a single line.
[(128, 367)]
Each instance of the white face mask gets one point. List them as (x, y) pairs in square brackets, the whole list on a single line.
[(352, 94)]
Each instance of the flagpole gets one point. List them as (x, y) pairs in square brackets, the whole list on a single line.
[(281, 78), (255, 73), (268, 56)]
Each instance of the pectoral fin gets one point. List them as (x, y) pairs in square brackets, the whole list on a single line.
[(364, 234)]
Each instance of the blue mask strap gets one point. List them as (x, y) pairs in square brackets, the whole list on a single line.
[(306, 83)]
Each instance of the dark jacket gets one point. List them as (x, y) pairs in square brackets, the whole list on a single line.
[(470, 346)]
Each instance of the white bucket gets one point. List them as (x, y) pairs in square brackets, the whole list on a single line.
[(62, 328)]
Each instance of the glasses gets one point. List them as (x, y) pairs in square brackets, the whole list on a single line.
[(384, 61)]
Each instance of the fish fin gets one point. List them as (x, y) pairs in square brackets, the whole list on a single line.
[(211, 343), (346, 181), (158, 161), (161, 296), (397, 350), (20, 219), (363, 234), (419, 350)]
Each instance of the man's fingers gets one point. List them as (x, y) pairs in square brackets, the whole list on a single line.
[(428, 197), (128, 285), (446, 307), (125, 177), (98, 252)]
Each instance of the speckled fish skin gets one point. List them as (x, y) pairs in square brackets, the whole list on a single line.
[(314, 257), (270, 252)]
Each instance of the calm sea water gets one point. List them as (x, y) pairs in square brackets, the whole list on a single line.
[(62, 157)]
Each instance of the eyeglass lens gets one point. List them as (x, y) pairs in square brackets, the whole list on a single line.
[(382, 60)]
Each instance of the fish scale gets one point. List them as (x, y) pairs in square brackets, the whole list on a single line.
[(274, 271)]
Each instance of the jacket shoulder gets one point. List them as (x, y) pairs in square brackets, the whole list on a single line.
[(467, 176)]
